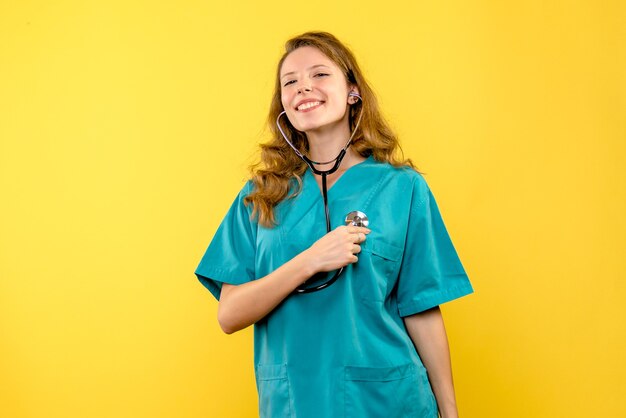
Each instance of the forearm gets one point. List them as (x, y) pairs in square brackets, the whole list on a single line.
[(243, 305), (428, 333)]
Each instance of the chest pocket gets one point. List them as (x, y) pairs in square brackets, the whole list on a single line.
[(376, 271)]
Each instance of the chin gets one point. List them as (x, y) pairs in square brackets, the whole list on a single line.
[(310, 124), (306, 126)]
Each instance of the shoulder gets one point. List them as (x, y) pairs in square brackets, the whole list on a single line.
[(247, 188), (239, 204), (405, 176)]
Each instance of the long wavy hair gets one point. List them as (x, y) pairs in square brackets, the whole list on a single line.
[(280, 170)]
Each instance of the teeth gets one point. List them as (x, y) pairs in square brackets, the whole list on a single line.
[(308, 105)]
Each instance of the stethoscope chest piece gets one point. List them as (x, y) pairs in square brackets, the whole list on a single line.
[(357, 218)]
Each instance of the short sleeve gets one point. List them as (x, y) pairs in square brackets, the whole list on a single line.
[(230, 257), (431, 272)]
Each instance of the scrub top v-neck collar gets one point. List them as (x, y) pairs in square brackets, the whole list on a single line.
[(310, 178)]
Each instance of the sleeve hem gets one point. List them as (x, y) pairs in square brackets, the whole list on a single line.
[(213, 278), (419, 305)]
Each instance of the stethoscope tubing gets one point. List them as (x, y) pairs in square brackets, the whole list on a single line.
[(302, 288)]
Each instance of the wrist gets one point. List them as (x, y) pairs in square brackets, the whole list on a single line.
[(449, 411), (307, 264)]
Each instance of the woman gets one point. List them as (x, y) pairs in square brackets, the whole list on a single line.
[(372, 344)]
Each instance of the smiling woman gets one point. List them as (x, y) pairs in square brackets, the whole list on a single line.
[(373, 344), (314, 96)]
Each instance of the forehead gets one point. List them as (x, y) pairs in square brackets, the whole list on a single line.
[(304, 58)]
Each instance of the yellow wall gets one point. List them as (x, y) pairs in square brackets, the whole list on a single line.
[(125, 131)]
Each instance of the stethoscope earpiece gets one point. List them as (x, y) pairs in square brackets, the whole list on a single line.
[(355, 96)]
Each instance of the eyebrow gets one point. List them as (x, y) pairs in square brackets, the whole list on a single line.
[(310, 68)]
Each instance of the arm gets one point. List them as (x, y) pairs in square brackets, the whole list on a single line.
[(428, 333), (245, 304)]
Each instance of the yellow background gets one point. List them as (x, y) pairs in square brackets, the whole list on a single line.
[(125, 132)]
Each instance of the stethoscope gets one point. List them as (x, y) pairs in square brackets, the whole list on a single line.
[(355, 218)]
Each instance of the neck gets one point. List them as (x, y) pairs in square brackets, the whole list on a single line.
[(350, 158), (326, 144)]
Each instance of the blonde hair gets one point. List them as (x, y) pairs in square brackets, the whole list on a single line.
[(280, 169)]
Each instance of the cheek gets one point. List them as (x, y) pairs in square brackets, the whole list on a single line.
[(285, 99)]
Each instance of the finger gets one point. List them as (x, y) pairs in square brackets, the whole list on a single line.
[(356, 249), (357, 237), (354, 229)]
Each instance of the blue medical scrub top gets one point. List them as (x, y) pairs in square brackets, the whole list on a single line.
[(344, 351)]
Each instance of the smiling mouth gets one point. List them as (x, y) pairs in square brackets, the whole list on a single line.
[(308, 105)]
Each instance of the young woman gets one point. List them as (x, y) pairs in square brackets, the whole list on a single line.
[(347, 321)]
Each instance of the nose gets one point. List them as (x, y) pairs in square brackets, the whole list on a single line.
[(304, 87)]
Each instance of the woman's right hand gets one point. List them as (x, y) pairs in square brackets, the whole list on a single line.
[(337, 248)]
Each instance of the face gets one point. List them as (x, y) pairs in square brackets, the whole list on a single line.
[(314, 91)]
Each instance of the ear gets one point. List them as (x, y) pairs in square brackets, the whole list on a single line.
[(353, 95)]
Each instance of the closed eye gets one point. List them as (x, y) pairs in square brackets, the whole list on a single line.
[(321, 75), (289, 82)]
